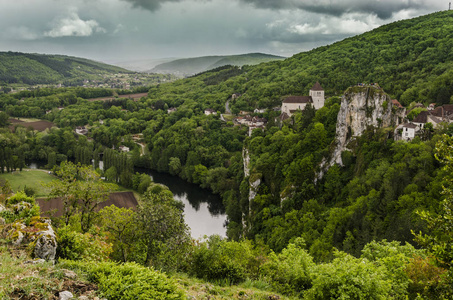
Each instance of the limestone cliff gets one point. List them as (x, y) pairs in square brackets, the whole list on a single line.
[(361, 107)]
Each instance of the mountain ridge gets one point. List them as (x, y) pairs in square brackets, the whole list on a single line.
[(195, 65), (33, 68)]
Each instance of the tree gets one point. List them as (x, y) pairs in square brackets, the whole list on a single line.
[(91, 191), (4, 119), (81, 190), (111, 174), (174, 166), (439, 240), (122, 230), (162, 224)]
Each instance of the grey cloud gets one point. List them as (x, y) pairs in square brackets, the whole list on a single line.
[(384, 9), (72, 25), (151, 5)]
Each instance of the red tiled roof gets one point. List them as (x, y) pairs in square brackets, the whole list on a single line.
[(317, 87), (298, 99), (397, 103)]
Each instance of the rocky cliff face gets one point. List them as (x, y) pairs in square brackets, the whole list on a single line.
[(361, 107)]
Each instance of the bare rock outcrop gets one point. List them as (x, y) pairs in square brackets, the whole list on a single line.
[(39, 234), (361, 107)]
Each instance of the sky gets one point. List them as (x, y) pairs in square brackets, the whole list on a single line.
[(127, 30)]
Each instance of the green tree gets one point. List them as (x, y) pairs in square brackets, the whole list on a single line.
[(4, 119), (111, 174), (162, 225), (122, 230), (81, 190), (439, 239)]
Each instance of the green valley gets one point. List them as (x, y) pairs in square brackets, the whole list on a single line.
[(346, 197)]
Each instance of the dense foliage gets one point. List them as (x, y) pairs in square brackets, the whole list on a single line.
[(318, 236), (38, 69), (127, 281)]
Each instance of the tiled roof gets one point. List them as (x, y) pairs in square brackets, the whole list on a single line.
[(298, 99), (421, 118), (410, 125), (284, 116), (317, 87), (397, 103)]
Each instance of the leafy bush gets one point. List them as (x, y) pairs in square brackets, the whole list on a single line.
[(347, 277), (395, 258), (127, 281), (427, 279), (218, 259), (29, 191), (76, 245), (20, 197), (22, 207), (289, 271)]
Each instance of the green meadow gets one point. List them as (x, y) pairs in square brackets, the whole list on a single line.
[(29, 178)]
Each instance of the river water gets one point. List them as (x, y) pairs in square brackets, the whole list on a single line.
[(203, 211)]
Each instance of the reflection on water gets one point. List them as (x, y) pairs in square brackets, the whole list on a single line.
[(204, 212)]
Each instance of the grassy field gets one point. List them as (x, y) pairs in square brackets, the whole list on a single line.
[(29, 178)]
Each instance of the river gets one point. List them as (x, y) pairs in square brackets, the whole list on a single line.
[(204, 212)]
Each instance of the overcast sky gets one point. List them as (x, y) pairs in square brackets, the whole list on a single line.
[(121, 30)]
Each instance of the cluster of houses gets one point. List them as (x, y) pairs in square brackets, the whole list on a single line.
[(251, 122), (434, 115)]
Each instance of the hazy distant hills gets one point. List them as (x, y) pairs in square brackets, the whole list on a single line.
[(190, 66), (50, 69), (140, 65)]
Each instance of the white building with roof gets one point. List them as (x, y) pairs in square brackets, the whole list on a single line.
[(292, 103), (408, 132)]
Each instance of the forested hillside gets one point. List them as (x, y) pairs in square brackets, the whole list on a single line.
[(190, 66), (305, 235), (411, 60), (44, 69)]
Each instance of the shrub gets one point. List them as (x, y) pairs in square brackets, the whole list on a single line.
[(21, 208), (289, 271), (20, 197), (75, 245), (427, 279), (347, 277), (220, 260), (29, 191), (127, 281), (395, 258)]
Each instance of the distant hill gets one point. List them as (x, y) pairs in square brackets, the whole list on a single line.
[(191, 66), (140, 65), (33, 69), (412, 60)]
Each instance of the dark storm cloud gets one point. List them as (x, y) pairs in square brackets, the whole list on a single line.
[(151, 5), (384, 9)]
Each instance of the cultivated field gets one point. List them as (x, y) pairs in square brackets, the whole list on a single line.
[(36, 124), (131, 96), (55, 208)]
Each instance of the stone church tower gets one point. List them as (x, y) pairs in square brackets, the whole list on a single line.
[(317, 94)]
